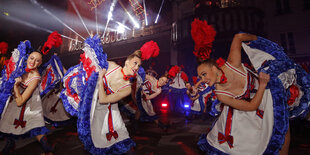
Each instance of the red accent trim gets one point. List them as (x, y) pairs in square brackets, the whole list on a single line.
[(294, 93), (148, 85), (127, 77), (105, 86), (53, 109), (227, 137), (112, 71), (75, 95), (233, 68), (43, 85), (20, 121), (111, 129), (260, 113)]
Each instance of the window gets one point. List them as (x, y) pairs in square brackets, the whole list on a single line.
[(288, 42), (283, 7)]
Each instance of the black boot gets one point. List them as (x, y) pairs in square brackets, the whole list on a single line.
[(9, 147), (45, 145)]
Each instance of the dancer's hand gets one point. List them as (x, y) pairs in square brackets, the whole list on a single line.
[(102, 72), (18, 80), (263, 79)]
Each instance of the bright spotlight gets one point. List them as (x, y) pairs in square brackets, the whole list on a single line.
[(5, 13), (162, 3), (120, 29), (186, 106), (164, 105)]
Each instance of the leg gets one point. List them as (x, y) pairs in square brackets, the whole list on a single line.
[(45, 145), (9, 146), (286, 145)]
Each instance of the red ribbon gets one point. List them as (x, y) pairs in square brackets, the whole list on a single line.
[(228, 138), (111, 129), (28, 70), (110, 134), (53, 110), (20, 121), (127, 77)]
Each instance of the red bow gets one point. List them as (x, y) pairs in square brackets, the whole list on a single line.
[(28, 70), (110, 134), (127, 77), (228, 138), (18, 122)]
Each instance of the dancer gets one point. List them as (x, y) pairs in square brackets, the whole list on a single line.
[(177, 88), (100, 125), (21, 112), (254, 118), (251, 112), (193, 93), (50, 86), (150, 89)]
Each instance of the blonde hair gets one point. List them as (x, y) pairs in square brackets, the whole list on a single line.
[(136, 53)]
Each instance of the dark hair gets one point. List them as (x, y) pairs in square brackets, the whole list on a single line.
[(209, 62), (136, 53), (166, 76)]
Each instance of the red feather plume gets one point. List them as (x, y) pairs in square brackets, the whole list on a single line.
[(203, 36), (149, 49), (3, 47), (53, 40), (173, 71), (184, 76)]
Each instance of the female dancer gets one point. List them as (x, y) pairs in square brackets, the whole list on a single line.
[(254, 119), (100, 125), (50, 87), (177, 88), (22, 114), (151, 88)]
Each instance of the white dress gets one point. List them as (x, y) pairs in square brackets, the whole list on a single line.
[(26, 120), (100, 126), (262, 131)]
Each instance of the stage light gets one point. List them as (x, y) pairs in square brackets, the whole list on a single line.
[(55, 17), (162, 3), (186, 106), (120, 29), (5, 13), (164, 105), (78, 13), (146, 23), (136, 25)]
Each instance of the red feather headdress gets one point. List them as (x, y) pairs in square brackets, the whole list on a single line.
[(149, 49), (54, 40), (203, 36), (3, 47), (174, 71), (184, 76)]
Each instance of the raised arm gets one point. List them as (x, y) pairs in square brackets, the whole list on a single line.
[(234, 57), (245, 105), (149, 97), (22, 98), (111, 98), (197, 84)]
